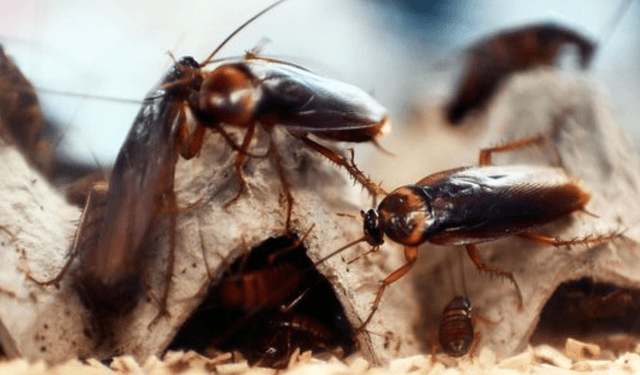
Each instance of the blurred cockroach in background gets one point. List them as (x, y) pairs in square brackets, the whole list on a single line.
[(23, 123), (268, 303), (470, 205), (253, 93), (591, 311), (493, 59), (22, 119)]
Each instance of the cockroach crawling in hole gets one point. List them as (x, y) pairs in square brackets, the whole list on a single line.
[(248, 93), (592, 311), (470, 205), (267, 304), (493, 59)]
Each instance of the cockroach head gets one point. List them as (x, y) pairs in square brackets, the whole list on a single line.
[(460, 303), (373, 231)]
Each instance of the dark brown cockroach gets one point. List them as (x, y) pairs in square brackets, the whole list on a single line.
[(249, 92), (259, 92), (470, 205), (588, 310), (266, 305), (456, 333), (492, 60), (23, 123), (111, 245)]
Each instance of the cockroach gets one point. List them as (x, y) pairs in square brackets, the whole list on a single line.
[(21, 119), (250, 92), (492, 60), (260, 92), (267, 304), (23, 123), (264, 288), (456, 333), (21, 116), (585, 307), (470, 205)]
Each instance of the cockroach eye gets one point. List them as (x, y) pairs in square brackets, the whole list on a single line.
[(373, 230)]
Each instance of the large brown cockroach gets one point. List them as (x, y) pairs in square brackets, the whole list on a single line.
[(250, 92), (470, 205), (493, 59)]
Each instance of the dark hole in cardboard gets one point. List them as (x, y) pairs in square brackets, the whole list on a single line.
[(266, 331), (590, 311)]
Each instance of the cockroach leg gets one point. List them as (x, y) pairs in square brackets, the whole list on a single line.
[(360, 256), (544, 239), (477, 336), (485, 153), (286, 187), (237, 147), (373, 188), (87, 230), (173, 206), (411, 255), (9, 233), (189, 144), (271, 259), (472, 250), (240, 160)]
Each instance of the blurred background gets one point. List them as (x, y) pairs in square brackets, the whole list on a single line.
[(396, 50)]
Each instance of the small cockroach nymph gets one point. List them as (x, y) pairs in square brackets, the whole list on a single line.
[(456, 332)]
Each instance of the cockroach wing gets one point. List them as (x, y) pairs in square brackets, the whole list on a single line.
[(486, 203), (308, 103), (142, 173)]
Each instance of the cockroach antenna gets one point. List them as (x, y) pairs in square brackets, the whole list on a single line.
[(608, 30), (236, 31)]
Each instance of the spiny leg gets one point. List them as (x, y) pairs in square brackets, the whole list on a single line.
[(340, 160), (283, 180), (485, 153), (472, 250), (173, 207), (544, 239), (411, 255), (240, 163), (88, 229)]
